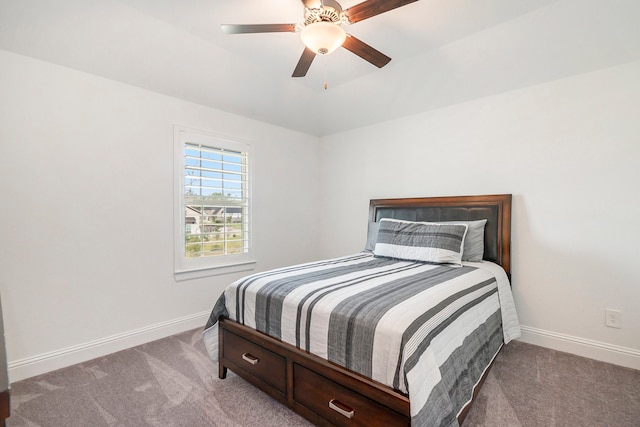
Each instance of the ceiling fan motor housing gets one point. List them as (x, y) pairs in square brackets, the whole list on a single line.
[(329, 11)]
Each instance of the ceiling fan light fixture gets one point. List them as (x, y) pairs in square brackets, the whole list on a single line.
[(323, 37)]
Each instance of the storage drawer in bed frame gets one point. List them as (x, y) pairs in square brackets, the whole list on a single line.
[(264, 365)]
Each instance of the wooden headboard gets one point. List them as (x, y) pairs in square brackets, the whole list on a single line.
[(495, 208)]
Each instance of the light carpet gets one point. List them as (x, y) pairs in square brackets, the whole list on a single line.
[(172, 382)]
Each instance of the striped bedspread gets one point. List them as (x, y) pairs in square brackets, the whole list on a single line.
[(428, 331)]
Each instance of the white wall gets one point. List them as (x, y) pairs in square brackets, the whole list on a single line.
[(86, 225), (569, 152), (86, 231)]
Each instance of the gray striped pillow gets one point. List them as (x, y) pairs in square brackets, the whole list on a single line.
[(474, 240), (421, 241)]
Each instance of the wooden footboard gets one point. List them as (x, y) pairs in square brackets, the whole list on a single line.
[(322, 392)]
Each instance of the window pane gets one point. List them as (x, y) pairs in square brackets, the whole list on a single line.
[(216, 205)]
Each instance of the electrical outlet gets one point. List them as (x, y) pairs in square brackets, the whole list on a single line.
[(613, 318)]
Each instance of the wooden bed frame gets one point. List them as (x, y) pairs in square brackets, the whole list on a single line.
[(325, 393)]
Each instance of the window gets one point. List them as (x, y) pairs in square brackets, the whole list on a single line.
[(213, 233)]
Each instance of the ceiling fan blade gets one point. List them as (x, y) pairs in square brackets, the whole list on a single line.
[(304, 63), (258, 28), (365, 51), (370, 8)]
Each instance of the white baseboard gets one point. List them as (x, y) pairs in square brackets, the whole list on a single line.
[(597, 350), (47, 362)]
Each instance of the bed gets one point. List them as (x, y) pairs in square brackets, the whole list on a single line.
[(335, 342)]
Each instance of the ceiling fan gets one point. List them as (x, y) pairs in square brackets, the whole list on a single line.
[(322, 33)]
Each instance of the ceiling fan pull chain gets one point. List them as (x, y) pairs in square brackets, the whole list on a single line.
[(326, 86)]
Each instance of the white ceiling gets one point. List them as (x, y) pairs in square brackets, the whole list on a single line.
[(443, 52)]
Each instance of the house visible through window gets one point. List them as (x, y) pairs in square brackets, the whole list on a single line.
[(214, 201)]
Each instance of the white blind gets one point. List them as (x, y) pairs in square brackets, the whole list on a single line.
[(216, 197)]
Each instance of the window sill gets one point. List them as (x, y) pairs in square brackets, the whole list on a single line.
[(217, 270)]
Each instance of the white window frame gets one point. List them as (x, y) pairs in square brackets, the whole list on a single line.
[(191, 268)]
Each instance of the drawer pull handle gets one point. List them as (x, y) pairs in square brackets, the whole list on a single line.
[(341, 408), (249, 358)]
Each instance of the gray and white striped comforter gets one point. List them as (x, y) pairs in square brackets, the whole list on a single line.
[(428, 331)]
